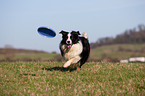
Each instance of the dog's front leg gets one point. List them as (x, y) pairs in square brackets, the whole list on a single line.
[(73, 60), (68, 63)]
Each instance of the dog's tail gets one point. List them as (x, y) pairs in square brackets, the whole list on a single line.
[(85, 35)]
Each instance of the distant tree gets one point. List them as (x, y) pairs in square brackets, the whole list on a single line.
[(132, 36), (8, 46), (141, 27), (94, 45)]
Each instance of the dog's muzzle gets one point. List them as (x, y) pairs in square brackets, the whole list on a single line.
[(69, 45)]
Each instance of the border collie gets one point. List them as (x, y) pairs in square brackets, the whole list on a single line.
[(74, 48)]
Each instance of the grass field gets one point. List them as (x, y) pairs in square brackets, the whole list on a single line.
[(50, 79), (28, 57), (118, 51), (115, 53)]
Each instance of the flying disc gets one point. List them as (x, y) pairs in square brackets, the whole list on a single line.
[(46, 32)]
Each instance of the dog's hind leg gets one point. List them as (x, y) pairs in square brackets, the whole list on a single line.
[(78, 67)]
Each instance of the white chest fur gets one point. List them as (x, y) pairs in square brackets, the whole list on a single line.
[(75, 50)]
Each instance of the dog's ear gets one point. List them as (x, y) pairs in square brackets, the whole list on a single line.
[(63, 32), (76, 32)]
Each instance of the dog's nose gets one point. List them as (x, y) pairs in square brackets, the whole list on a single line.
[(68, 42)]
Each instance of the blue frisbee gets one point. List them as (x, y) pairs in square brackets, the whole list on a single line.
[(46, 32)]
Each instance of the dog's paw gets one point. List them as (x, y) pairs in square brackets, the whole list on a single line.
[(67, 64)]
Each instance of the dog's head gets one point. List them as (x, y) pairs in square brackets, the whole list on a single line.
[(70, 38)]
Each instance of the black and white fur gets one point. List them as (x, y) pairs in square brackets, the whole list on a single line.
[(74, 49)]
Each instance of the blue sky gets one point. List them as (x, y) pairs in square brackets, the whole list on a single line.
[(19, 20)]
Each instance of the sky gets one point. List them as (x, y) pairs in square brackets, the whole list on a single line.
[(20, 19)]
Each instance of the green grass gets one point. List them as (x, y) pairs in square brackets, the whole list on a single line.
[(50, 79)]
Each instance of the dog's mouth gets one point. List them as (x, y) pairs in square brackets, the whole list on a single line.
[(69, 45)]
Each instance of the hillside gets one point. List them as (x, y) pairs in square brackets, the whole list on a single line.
[(131, 36), (110, 52), (11, 54), (18, 51), (117, 52)]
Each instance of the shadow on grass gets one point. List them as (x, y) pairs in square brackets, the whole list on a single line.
[(62, 69), (26, 74)]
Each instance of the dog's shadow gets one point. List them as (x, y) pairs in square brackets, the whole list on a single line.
[(57, 68)]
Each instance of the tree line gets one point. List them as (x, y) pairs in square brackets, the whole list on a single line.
[(131, 36)]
